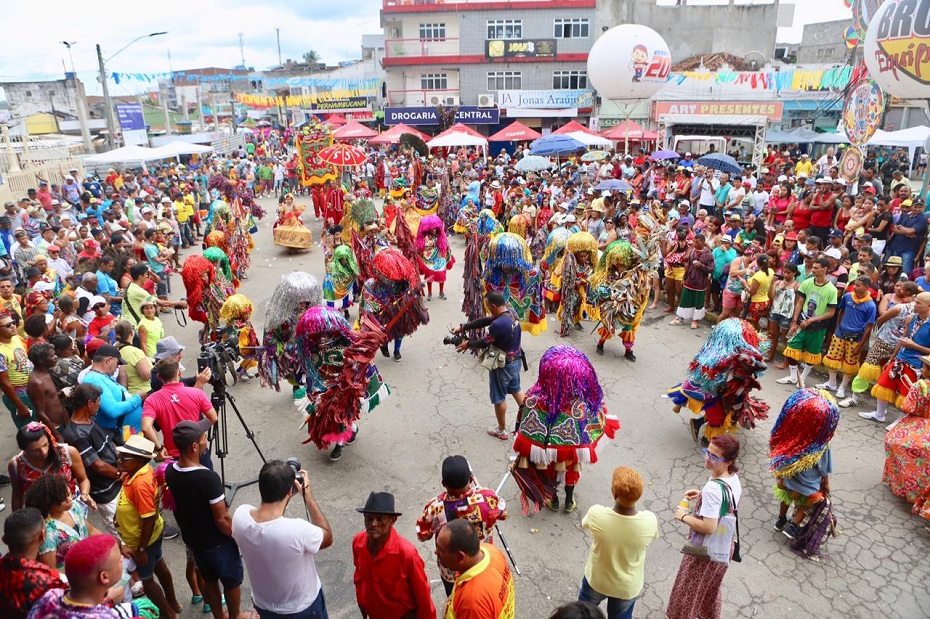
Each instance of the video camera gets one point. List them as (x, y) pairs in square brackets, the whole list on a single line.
[(454, 339), (220, 357)]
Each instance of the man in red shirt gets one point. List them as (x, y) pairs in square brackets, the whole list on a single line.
[(390, 577), (23, 578), (822, 207), (173, 403)]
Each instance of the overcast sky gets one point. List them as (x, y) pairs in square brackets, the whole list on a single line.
[(205, 33)]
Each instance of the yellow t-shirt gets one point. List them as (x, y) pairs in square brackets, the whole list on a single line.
[(804, 166), (617, 561), (765, 281), (138, 499), (16, 362)]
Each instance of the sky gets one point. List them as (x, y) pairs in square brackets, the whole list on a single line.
[(209, 35)]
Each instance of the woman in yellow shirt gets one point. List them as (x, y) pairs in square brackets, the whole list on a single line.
[(759, 285)]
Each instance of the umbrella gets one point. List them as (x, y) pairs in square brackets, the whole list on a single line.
[(721, 162), (614, 184), (341, 154), (555, 144), (665, 154), (533, 163), (595, 155)]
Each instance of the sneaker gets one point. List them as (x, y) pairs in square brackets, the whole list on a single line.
[(780, 524), (872, 416), (170, 531), (442, 295), (138, 590), (840, 393), (353, 437), (384, 351), (600, 349), (336, 453), (787, 380), (4, 480), (570, 507), (498, 433), (397, 356), (826, 386), (429, 297), (195, 599), (704, 442), (792, 531), (578, 326), (850, 401), (694, 425), (629, 356), (553, 504)]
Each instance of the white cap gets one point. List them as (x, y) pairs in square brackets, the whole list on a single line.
[(165, 200), (43, 286), (570, 219), (687, 154), (840, 181), (824, 181), (147, 209), (834, 253), (96, 300), (782, 178)]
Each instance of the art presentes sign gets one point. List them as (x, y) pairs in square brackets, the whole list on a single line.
[(545, 99), (132, 123), (770, 109), (467, 114), (522, 48)]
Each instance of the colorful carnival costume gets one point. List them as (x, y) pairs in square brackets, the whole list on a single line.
[(342, 381), (509, 270), (724, 372), (205, 296), (236, 315), (433, 254), (801, 463), (620, 288), (289, 230), (224, 274), (479, 232), (559, 426), (393, 296), (279, 358), (577, 266), (552, 281), (341, 275), (907, 448)]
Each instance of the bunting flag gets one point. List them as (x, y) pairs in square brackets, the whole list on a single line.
[(310, 141), (369, 86)]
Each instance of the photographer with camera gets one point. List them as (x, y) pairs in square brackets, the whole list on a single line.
[(169, 348), (278, 551), (502, 356)]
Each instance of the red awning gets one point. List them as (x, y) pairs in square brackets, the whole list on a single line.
[(392, 135), (627, 130), (354, 130), (515, 132), (572, 127)]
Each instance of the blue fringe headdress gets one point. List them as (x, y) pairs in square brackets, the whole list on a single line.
[(507, 251), (802, 432), (487, 222), (555, 245)]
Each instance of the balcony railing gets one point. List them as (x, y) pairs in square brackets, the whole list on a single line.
[(420, 98), (420, 48)]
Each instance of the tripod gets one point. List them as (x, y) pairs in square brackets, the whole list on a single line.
[(218, 399)]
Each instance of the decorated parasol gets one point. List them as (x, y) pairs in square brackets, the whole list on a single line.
[(343, 155)]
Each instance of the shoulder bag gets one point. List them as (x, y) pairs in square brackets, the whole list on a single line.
[(717, 546), (494, 358)]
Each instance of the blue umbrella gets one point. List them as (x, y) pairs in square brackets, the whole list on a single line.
[(665, 154), (614, 185), (556, 144), (721, 162)]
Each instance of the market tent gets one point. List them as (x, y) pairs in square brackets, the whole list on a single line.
[(335, 119), (627, 130), (458, 135), (392, 135), (911, 139), (174, 149), (354, 130), (515, 132), (126, 154), (573, 127), (839, 137), (799, 136)]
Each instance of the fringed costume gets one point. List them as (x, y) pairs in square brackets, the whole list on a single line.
[(279, 358), (509, 270), (393, 296), (552, 281), (205, 297), (224, 274), (521, 225), (560, 424), (577, 266), (236, 316), (341, 275), (724, 372), (342, 381), (289, 230), (360, 232), (799, 448), (907, 450), (434, 255)]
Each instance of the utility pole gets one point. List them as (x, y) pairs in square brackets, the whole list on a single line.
[(241, 50), (164, 107), (278, 30), (203, 124), (111, 127)]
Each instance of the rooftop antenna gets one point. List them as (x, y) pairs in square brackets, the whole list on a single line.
[(278, 31)]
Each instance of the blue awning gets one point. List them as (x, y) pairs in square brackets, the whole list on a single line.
[(811, 105)]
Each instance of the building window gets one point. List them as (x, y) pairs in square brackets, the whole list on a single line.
[(432, 32), (434, 81), (569, 80), (505, 80), (571, 28), (505, 29)]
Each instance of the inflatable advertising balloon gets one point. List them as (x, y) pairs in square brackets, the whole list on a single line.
[(629, 62), (897, 48), (863, 111)]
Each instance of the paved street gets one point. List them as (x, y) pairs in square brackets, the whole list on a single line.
[(439, 406)]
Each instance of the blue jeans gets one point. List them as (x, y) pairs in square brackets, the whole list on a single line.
[(907, 258), (317, 610), (616, 608)]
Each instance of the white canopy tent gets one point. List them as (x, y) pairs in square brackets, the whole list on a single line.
[(174, 149), (589, 139), (126, 154), (457, 139)]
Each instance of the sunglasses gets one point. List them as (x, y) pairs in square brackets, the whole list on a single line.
[(712, 457)]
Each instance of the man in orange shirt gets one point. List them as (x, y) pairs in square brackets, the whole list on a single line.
[(483, 584)]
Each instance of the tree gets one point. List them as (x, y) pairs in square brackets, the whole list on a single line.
[(312, 57)]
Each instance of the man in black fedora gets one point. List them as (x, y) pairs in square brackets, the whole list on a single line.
[(390, 577)]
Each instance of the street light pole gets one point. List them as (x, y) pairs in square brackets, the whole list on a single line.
[(111, 126)]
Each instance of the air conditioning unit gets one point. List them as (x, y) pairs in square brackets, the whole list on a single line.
[(442, 100), (485, 100)]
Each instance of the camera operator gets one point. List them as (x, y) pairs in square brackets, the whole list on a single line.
[(277, 551), (169, 348), (503, 333)]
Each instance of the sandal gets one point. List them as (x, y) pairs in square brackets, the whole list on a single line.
[(675, 322), (694, 324), (498, 433)]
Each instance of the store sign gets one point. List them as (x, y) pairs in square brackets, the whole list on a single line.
[(521, 48), (467, 114), (352, 104), (132, 123), (542, 99), (770, 109)]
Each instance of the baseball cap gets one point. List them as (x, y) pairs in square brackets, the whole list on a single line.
[(53, 247), (167, 347), (97, 300), (187, 432), (108, 350), (455, 472), (835, 234), (833, 253), (782, 178)]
